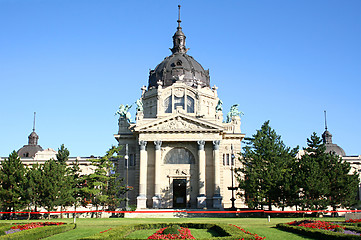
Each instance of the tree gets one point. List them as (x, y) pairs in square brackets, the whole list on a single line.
[(324, 178), (50, 186), (13, 182), (103, 187), (34, 177), (66, 180), (266, 172), (63, 154), (344, 186)]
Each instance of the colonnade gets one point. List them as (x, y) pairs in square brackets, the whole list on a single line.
[(201, 199)]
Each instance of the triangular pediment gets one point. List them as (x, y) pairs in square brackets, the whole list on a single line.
[(179, 123)]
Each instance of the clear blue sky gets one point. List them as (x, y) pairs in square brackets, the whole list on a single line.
[(75, 61)]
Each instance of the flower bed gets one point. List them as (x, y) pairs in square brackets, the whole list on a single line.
[(36, 231), (225, 231), (353, 221), (32, 225), (315, 224), (249, 233), (184, 233), (319, 230)]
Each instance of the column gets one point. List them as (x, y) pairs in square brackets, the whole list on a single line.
[(201, 199), (157, 173), (217, 198), (142, 198)]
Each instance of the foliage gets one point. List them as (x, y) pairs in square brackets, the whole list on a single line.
[(103, 187), (172, 233), (33, 186), (267, 170), (316, 233), (225, 231), (13, 182), (50, 186), (324, 179), (39, 233)]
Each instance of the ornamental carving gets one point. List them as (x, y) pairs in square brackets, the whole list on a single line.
[(176, 125), (179, 92)]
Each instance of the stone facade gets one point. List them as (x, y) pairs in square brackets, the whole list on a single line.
[(179, 149)]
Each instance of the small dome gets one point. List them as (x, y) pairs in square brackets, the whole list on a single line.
[(334, 148), (32, 148), (29, 150), (331, 147)]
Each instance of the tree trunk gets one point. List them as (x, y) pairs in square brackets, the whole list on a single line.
[(48, 214), (61, 211)]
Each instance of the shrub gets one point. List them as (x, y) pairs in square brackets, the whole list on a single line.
[(317, 233), (338, 229), (226, 232), (172, 230), (38, 233)]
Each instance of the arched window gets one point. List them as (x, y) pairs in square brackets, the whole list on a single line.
[(179, 156), (190, 104)]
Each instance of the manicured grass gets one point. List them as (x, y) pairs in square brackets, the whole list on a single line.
[(141, 234), (87, 226), (203, 233)]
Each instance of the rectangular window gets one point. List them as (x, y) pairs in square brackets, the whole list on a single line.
[(227, 159)]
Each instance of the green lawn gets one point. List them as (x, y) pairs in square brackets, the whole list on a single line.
[(88, 226)]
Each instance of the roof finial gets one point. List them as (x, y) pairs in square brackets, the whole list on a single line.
[(325, 120), (179, 20), (34, 122)]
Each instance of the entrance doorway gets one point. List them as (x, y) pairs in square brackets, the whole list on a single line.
[(179, 193)]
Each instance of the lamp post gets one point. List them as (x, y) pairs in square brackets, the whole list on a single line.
[(232, 188), (126, 157)]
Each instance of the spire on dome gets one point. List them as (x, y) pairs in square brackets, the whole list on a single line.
[(34, 122), (326, 136), (33, 137), (179, 39)]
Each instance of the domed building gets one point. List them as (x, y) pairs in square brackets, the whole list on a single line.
[(29, 151), (331, 147), (178, 153)]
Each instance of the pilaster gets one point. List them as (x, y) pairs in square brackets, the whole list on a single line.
[(142, 198)]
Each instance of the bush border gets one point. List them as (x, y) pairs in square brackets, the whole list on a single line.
[(317, 233), (40, 232), (230, 232)]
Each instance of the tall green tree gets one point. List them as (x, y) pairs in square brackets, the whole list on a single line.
[(34, 180), (266, 172), (103, 187), (66, 179), (50, 187), (324, 178), (344, 184), (63, 154), (13, 183)]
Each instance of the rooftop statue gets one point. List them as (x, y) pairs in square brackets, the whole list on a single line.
[(139, 103), (233, 113), (123, 112), (219, 107)]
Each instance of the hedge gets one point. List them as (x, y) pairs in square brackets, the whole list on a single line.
[(317, 233), (38, 233), (228, 232)]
